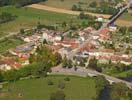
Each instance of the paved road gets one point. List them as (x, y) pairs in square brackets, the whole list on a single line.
[(84, 72), (73, 53), (120, 12), (87, 72)]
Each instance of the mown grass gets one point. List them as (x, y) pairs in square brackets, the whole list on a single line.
[(38, 89)]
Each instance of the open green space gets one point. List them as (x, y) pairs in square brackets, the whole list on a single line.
[(77, 88), (28, 17), (123, 74), (66, 4)]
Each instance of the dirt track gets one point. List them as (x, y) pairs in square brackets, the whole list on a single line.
[(59, 10)]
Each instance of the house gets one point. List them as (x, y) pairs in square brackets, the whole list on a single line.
[(104, 35), (33, 38), (88, 29), (100, 19), (87, 47), (26, 48), (112, 28), (8, 64), (107, 52), (24, 59), (4, 66)]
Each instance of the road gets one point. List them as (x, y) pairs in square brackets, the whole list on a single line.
[(73, 53), (86, 72), (120, 12)]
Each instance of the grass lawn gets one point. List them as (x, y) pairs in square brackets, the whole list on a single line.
[(123, 74), (77, 88), (29, 17), (8, 44)]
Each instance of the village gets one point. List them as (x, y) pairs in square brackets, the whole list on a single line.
[(64, 43)]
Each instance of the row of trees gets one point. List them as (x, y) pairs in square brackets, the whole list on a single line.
[(116, 91), (6, 17), (111, 67), (103, 6), (35, 69), (89, 21), (40, 64), (18, 3)]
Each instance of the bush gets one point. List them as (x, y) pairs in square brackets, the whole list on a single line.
[(59, 95), (67, 79), (50, 82), (61, 85)]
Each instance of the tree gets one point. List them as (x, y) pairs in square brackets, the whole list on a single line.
[(82, 15), (101, 84), (22, 31), (50, 82), (61, 85), (64, 62), (74, 8), (119, 91), (93, 4), (67, 79), (58, 58), (93, 63), (130, 94), (1, 77), (59, 95), (11, 75)]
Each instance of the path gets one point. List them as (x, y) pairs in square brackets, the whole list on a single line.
[(59, 10), (86, 72)]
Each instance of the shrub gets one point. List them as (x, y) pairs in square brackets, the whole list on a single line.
[(50, 82), (61, 85), (67, 79)]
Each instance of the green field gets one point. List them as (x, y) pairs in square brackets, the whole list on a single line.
[(37, 89), (66, 4), (28, 17)]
